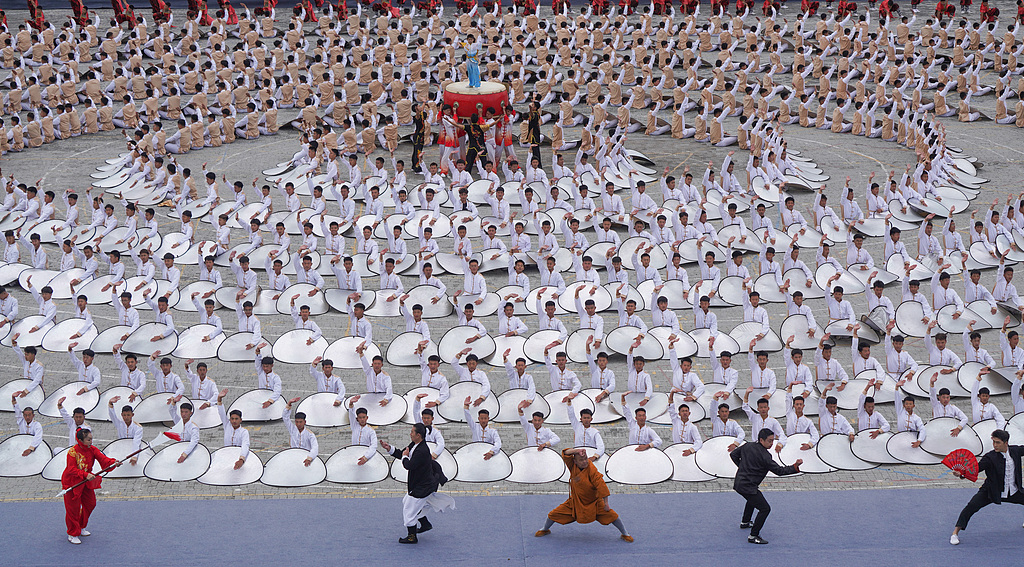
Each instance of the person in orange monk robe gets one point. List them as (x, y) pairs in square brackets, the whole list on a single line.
[(588, 497)]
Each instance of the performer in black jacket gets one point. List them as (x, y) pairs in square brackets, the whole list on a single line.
[(1002, 480), (754, 462), (424, 478)]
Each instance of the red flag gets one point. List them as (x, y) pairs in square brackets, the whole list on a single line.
[(173, 436)]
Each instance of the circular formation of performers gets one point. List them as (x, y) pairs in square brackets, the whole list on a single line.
[(474, 243)]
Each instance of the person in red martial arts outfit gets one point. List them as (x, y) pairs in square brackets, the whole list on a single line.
[(80, 502)]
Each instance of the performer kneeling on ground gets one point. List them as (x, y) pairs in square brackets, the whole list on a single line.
[(754, 461), (80, 502), (588, 497), (425, 476), (1002, 468)]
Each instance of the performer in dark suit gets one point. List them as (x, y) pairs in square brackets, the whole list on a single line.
[(754, 462), (1002, 483), (424, 478)]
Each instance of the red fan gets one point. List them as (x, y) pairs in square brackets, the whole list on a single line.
[(964, 463)]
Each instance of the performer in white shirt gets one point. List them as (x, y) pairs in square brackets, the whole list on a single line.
[(829, 418), (299, 436), (234, 434), (797, 422), (683, 430), (722, 425), (584, 434), (601, 376), (640, 433), (362, 433), (761, 420), (519, 379), (536, 434), (867, 418), (471, 373), (481, 430), (74, 420), (126, 426), (981, 406)]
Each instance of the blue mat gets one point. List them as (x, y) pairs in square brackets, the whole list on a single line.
[(883, 527)]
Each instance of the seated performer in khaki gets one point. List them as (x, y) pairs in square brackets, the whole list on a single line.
[(588, 497)]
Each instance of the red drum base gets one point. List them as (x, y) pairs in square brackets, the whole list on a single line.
[(487, 95)]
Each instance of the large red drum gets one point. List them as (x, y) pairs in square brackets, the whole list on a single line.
[(488, 95)]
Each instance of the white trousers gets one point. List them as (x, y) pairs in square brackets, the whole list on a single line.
[(415, 508)]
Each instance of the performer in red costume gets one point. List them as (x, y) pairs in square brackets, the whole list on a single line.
[(36, 19), (80, 502)]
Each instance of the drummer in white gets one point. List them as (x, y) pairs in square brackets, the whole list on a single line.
[(906, 419), (867, 418), (1009, 345), (471, 373), (761, 377), (724, 374), (861, 355), (480, 429), (972, 347), (638, 380), (189, 430), (234, 434), (377, 381), (426, 417), (518, 378), (584, 434), (829, 418), (601, 376), (126, 426), (536, 434), (640, 433), (87, 371), (981, 406), (589, 319), (797, 372), (362, 434), (683, 430), (298, 435), (684, 380), (327, 381), (761, 420), (167, 382), (131, 376), (74, 420), (722, 425), (267, 379), (561, 379), (430, 377), (797, 422), (828, 368), (938, 354)]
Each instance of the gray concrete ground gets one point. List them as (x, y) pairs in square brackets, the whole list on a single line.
[(66, 164)]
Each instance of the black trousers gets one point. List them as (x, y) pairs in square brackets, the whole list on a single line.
[(979, 501), (417, 150), (757, 502)]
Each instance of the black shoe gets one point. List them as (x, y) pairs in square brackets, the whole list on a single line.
[(756, 539), (425, 526), (411, 538), (746, 525)]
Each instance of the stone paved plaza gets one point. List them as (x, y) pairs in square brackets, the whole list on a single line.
[(67, 164)]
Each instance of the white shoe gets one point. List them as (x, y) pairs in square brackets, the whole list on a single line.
[(74, 540), (954, 540), (85, 533)]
